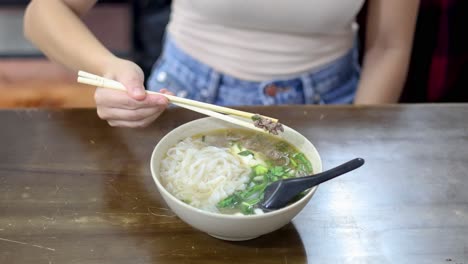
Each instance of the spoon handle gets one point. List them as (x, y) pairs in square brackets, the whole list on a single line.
[(307, 182)]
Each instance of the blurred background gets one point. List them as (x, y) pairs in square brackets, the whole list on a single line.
[(133, 29)]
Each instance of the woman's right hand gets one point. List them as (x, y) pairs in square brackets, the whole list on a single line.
[(135, 108)]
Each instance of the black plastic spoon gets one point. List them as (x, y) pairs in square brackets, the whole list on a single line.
[(279, 193)]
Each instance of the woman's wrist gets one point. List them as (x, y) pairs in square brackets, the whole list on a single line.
[(108, 62)]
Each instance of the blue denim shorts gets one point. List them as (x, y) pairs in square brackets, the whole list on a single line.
[(187, 77)]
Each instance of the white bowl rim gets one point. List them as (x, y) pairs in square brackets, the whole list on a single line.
[(219, 215)]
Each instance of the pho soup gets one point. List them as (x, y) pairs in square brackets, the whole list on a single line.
[(226, 171)]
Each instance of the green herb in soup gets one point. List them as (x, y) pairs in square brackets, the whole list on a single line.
[(227, 171), (273, 159)]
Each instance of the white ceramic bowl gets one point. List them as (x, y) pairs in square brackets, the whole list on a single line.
[(230, 227)]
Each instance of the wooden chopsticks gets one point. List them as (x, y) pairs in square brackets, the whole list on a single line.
[(216, 111)]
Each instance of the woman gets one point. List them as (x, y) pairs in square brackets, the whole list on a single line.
[(241, 52)]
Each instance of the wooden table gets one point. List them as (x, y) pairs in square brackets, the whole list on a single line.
[(74, 190)]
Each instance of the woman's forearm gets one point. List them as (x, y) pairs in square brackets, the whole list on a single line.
[(383, 76), (55, 27), (388, 44)]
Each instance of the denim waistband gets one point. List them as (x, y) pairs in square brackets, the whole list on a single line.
[(340, 65), (335, 82), (171, 49)]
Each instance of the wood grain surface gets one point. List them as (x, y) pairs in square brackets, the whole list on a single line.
[(74, 190)]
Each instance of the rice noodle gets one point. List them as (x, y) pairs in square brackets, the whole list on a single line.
[(202, 175)]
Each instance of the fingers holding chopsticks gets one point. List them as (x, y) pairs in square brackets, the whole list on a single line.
[(119, 109), (260, 123), (130, 75), (117, 99), (133, 108)]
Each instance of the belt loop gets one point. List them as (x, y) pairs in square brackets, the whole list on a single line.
[(211, 92), (308, 88)]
